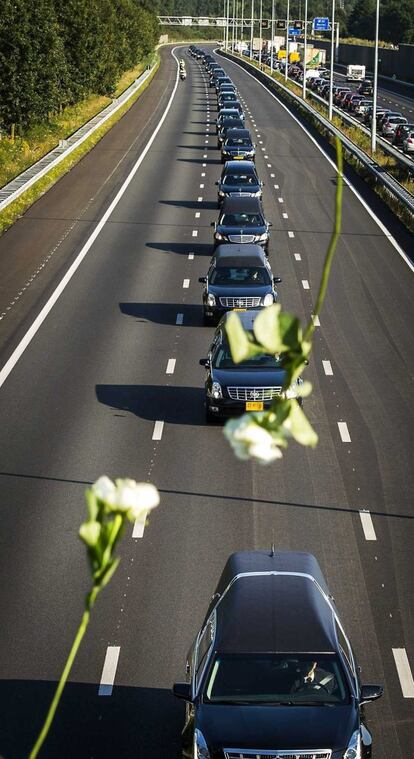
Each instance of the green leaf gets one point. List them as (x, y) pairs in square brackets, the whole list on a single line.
[(109, 572), (90, 532), (290, 331), (238, 339), (266, 329), (299, 427)]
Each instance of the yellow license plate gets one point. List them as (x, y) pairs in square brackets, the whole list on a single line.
[(239, 157), (239, 309), (254, 406)]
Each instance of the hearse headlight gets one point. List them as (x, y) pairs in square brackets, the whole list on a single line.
[(354, 747), (200, 746), (219, 236), (215, 391), (262, 238), (268, 300), (222, 194), (211, 301)]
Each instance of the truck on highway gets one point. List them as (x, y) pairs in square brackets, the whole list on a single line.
[(355, 73)]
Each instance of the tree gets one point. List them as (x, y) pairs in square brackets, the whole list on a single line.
[(362, 20), (396, 22)]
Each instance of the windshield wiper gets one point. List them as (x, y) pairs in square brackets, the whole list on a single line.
[(252, 703)]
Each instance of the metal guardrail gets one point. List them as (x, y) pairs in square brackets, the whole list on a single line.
[(393, 187), (21, 183), (385, 146)]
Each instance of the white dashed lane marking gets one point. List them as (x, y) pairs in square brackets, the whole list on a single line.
[(344, 432), (179, 319), (367, 525), (305, 284), (327, 367), (109, 671), (291, 234), (404, 672), (158, 430), (170, 366), (186, 284), (298, 257), (315, 320)]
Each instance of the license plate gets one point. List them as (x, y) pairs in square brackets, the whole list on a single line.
[(254, 406), (239, 309), (238, 157)]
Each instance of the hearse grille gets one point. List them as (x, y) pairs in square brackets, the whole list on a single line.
[(242, 302), (241, 238), (235, 753), (254, 394)]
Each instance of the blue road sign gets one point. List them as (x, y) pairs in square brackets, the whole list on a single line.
[(295, 31), (321, 24)]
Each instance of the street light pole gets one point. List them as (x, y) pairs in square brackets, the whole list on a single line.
[(261, 33), (332, 60), (272, 37), (227, 24), (287, 40), (305, 42), (242, 25), (236, 29), (252, 32), (375, 87), (232, 34)]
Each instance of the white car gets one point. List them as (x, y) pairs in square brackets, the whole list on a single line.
[(389, 126), (408, 143)]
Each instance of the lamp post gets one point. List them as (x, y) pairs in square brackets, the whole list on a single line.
[(236, 25), (272, 37), (261, 33), (227, 24), (332, 60), (287, 40), (241, 29), (252, 32), (375, 87), (305, 42), (232, 33)]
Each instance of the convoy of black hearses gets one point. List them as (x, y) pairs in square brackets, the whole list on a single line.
[(271, 673)]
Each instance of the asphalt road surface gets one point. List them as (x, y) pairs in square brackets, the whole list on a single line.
[(388, 97), (85, 396)]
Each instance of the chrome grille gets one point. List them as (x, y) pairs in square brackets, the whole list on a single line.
[(254, 394), (243, 302), (237, 753), (241, 238), (241, 194)]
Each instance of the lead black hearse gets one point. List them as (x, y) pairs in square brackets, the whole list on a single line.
[(271, 672)]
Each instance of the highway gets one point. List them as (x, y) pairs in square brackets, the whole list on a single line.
[(388, 98), (86, 394)]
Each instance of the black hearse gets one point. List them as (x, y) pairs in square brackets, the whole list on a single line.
[(239, 277), (239, 179), (271, 672), (242, 220), (238, 146)]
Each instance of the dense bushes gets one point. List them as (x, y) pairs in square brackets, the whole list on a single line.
[(56, 52)]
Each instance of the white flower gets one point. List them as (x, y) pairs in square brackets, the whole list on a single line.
[(104, 489), (251, 441), (135, 499)]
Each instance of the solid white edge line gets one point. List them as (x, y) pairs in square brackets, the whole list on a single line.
[(28, 337), (344, 432), (367, 525), (158, 430), (106, 683), (404, 672), (373, 215)]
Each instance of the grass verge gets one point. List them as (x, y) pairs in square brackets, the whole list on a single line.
[(359, 138), (13, 211)]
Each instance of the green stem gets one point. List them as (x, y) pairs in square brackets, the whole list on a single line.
[(90, 600), (332, 244)]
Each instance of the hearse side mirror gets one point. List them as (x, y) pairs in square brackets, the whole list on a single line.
[(370, 693), (212, 224), (262, 184), (182, 690), (277, 280), (204, 362), (270, 223), (203, 280), (216, 183)]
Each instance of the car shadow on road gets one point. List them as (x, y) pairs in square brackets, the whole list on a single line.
[(210, 204), (175, 405), (200, 249), (144, 723), (198, 147), (165, 313), (200, 160)]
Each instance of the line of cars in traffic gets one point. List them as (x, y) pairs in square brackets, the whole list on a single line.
[(239, 277), (271, 673), (358, 101)]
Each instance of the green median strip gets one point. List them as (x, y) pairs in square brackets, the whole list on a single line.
[(18, 207)]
